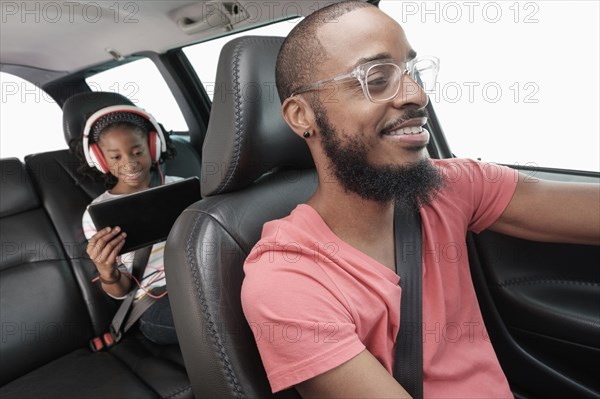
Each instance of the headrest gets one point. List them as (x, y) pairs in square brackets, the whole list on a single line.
[(17, 194), (79, 107), (246, 135)]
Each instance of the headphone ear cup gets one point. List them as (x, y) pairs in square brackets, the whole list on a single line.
[(155, 146), (98, 158)]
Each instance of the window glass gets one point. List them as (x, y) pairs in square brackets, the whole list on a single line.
[(204, 57), (518, 81), (142, 83), (30, 120)]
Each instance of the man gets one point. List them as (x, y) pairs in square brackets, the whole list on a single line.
[(323, 279)]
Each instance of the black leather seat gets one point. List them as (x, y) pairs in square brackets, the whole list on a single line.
[(48, 304), (255, 169), (46, 325)]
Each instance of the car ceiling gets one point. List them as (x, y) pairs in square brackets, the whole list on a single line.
[(68, 36)]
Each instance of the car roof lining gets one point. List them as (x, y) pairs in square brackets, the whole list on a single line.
[(73, 42)]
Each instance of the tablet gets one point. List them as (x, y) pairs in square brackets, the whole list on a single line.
[(146, 216)]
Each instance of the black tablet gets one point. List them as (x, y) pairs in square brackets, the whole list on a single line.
[(146, 216)]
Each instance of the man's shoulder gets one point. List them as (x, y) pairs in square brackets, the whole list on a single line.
[(466, 178), (295, 227), (454, 168), (288, 244), (478, 190), (466, 170)]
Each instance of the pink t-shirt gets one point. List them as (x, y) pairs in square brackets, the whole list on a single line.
[(314, 302)]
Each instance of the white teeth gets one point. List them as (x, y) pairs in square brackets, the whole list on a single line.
[(407, 130)]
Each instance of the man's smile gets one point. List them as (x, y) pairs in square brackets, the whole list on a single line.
[(409, 131)]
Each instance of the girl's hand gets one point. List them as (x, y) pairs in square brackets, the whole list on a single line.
[(103, 248)]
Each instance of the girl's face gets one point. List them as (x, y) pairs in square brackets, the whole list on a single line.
[(128, 157)]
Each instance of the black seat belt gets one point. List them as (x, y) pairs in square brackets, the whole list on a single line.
[(408, 362), (129, 312)]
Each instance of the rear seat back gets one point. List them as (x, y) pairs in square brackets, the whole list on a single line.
[(64, 194), (42, 316)]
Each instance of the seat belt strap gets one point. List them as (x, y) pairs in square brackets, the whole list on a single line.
[(408, 361), (140, 306), (140, 260)]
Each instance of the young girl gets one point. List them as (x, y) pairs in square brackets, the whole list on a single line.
[(125, 145)]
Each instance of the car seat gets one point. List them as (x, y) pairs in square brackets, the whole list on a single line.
[(255, 169), (46, 323)]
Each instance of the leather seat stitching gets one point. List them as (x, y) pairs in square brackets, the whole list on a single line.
[(191, 258)]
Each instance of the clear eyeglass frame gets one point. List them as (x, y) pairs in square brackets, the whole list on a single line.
[(422, 70)]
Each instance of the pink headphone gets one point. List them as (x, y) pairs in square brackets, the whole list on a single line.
[(93, 153)]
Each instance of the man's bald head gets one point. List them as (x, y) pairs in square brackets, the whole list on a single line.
[(301, 51)]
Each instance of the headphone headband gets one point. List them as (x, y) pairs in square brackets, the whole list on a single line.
[(113, 109)]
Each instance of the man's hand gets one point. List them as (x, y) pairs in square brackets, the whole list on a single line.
[(360, 377)]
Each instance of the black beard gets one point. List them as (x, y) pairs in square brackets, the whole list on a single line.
[(409, 186)]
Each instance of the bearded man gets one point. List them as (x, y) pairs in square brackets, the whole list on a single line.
[(352, 86)]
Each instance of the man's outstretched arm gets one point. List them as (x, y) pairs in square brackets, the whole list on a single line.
[(542, 210), (360, 377)]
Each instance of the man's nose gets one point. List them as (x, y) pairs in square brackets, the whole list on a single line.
[(411, 94)]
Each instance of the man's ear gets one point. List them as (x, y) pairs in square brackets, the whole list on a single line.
[(298, 114)]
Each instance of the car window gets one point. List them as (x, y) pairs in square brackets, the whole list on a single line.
[(142, 83), (25, 111), (518, 81), (204, 57)]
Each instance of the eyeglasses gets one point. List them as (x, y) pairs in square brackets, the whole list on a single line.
[(382, 80)]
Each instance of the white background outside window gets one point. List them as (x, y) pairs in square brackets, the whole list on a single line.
[(142, 83), (519, 81)]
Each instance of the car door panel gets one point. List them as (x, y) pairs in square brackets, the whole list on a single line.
[(541, 304)]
